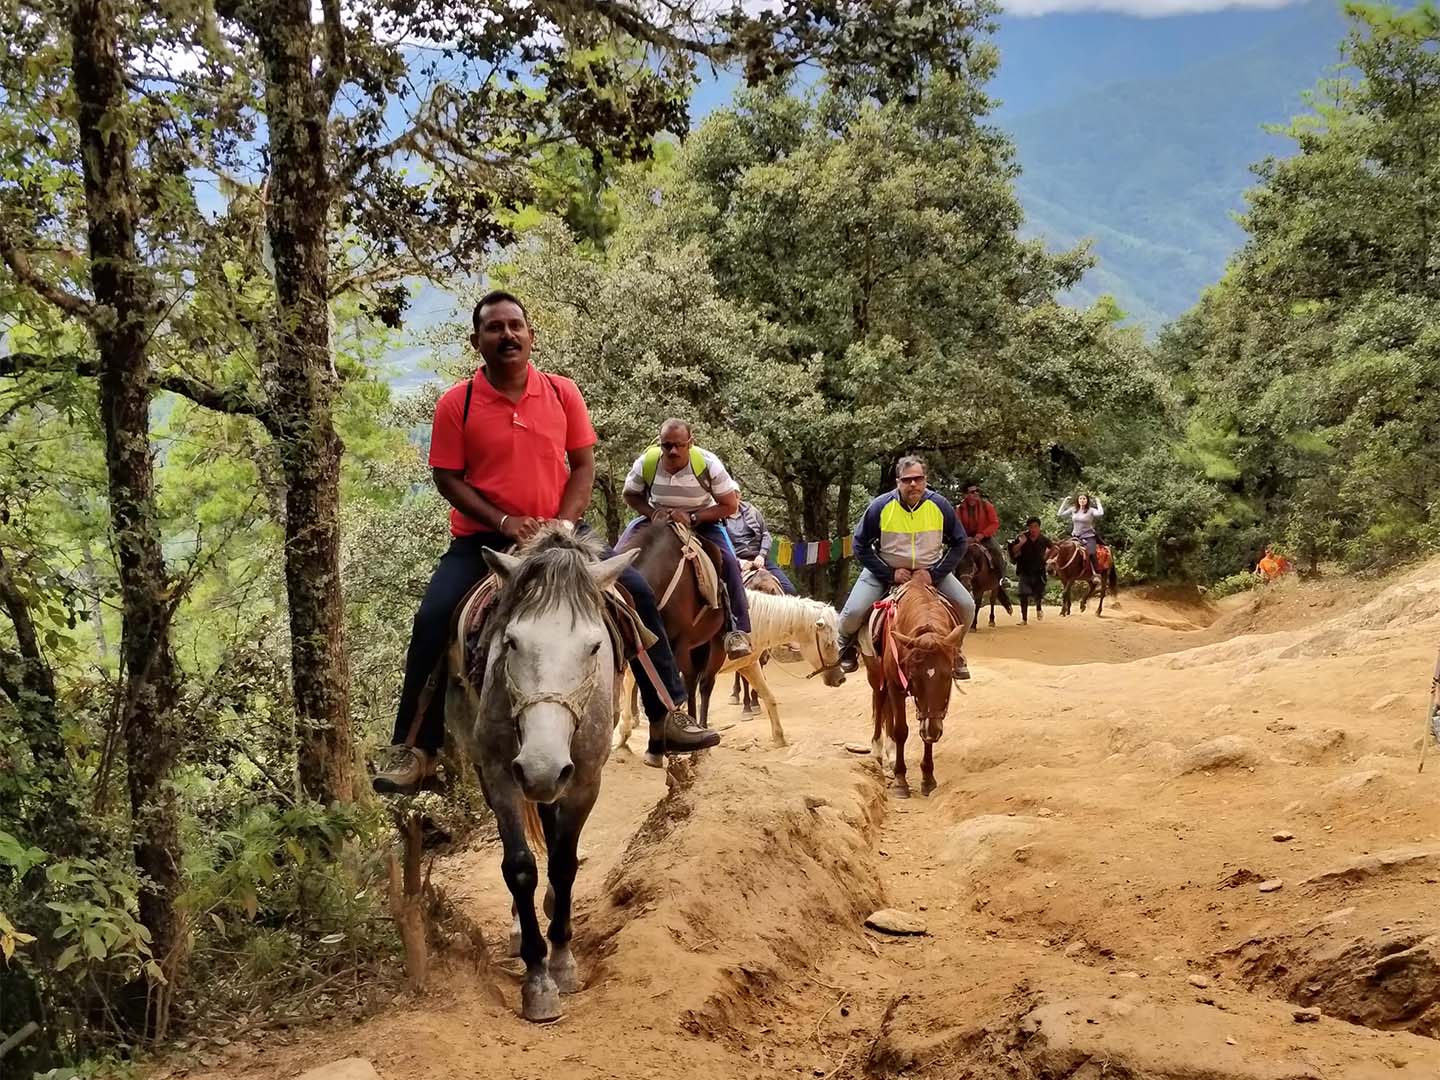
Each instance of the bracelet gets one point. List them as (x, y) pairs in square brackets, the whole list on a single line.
[(503, 518)]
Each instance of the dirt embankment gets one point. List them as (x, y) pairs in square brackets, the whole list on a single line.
[(1160, 837)]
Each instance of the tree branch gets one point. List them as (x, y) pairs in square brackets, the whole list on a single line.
[(68, 302), (231, 400), (336, 61)]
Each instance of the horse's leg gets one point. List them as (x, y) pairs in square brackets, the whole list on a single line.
[(736, 690), (707, 688), (1100, 607), (562, 833), (539, 999), (1089, 592), (772, 708), (900, 788), (927, 770), (992, 606), (1025, 611), (1005, 601), (878, 702), (629, 709)]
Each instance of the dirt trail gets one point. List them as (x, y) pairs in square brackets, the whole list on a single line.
[(1089, 871)]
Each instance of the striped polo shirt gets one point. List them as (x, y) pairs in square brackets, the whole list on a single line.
[(682, 490)]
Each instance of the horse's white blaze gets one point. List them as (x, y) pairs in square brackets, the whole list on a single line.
[(546, 654), (930, 672)]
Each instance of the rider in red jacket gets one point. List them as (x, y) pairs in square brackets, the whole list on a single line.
[(981, 522)]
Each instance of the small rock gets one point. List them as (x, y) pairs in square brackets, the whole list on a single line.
[(1273, 885), (1306, 1016), (1385, 702), (858, 747), (1075, 948), (346, 1069), (1229, 1041), (1216, 711), (1283, 837), (814, 802), (1200, 982), (894, 921), (1044, 811)]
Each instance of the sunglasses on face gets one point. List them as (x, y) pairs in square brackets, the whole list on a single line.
[(668, 446), (912, 479)]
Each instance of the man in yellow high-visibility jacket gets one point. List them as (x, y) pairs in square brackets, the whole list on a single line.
[(909, 533)]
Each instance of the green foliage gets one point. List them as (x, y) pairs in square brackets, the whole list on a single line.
[(1239, 582), (1313, 367)]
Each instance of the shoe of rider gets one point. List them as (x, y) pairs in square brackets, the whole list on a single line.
[(737, 645), (680, 735), (407, 769), (849, 658), (962, 669)]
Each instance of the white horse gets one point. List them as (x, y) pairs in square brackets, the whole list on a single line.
[(538, 729), (811, 626)]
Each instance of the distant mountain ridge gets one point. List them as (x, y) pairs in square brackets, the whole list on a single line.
[(1140, 134)]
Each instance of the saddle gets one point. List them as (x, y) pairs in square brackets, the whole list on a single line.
[(701, 559), (628, 635), (872, 635)]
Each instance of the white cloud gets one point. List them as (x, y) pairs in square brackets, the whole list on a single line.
[(1146, 8)]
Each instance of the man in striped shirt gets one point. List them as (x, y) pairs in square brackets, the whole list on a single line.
[(679, 481)]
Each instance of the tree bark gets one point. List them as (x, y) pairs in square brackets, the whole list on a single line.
[(839, 568), (124, 303), (302, 391)]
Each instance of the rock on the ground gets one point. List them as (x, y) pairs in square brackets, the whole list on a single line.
[(1385, 702), (972, 844), (346, 1069), (1222, 752), (1381, 862), (1368, 784), (1273, 885), (1200, 982), (1283, 837), (1307, 1016), (895, 921)]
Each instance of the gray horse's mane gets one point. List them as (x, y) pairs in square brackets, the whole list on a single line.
[(551, 575)]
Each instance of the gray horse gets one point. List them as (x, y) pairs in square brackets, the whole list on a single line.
[(538, 729)]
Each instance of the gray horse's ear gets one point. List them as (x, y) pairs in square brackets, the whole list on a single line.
[(606, 572), (503, 565)]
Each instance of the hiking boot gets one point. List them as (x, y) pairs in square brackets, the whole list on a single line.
[(682, 735), (408, 768), (849, 658), (737, 645), (962, 669)]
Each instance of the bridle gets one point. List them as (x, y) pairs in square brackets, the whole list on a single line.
[(1076, 552), (574, 701), (820, 652)]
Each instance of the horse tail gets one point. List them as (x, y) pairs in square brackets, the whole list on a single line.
[(534, 830), (1114, 584)]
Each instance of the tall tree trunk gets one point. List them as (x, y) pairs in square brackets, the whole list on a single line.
[(839, 568), (815, 523), (123, 296), (302, 393)]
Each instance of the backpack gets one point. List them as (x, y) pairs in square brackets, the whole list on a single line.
[(650, 463), (470, 389)]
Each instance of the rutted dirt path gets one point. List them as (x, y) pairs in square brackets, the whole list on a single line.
[(1090, 872)]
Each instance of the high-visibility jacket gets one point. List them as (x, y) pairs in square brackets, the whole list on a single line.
[(891, 536)]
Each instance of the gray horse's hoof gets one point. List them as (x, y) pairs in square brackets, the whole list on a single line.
[(540, 999), (563, 970)]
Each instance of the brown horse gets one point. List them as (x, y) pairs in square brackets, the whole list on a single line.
[(916, 655), (742, 693), (981, 578), (1070, 562), (692, 627)]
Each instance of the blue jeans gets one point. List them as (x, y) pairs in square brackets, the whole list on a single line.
[(786, 585), (868, 589)]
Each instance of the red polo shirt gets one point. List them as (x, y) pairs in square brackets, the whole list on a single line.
[(513, 452)]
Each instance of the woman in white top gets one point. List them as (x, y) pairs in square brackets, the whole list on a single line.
[(1082, 517)]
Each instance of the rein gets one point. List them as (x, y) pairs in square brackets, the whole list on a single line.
[(1076, 552)]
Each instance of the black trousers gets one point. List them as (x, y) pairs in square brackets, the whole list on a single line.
[(457, 573)]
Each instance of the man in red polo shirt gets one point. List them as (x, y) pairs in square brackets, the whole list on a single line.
[(511, 448)]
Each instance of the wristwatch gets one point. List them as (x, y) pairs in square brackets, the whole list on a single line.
[(692, 519)]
